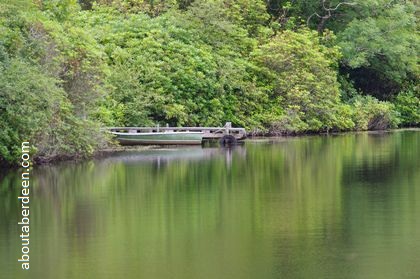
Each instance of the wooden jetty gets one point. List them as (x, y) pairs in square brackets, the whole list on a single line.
[(226, 134)]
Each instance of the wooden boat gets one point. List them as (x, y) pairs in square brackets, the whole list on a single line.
[(159, 138)]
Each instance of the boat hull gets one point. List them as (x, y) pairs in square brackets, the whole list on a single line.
[(164, 138)]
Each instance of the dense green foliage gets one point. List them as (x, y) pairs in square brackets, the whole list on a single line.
[(49, 78), (305, 82), (67, 67), (408, 105)]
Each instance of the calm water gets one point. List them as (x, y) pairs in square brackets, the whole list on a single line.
[(344, 206)]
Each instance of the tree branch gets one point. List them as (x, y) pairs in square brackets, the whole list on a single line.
[(328, 13)]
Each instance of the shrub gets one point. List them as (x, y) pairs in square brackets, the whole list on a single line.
[(407, 104), (305, 82), (371, 114)]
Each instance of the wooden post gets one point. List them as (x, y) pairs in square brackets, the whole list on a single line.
[(228, 125)]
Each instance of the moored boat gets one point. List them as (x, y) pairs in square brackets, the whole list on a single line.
[(160, 138)]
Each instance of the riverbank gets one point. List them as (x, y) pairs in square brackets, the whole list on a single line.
[(47, 160), (71, 71)]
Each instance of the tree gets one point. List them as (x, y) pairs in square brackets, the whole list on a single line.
[(380, 52), (378, 39), (305, 81), (181, 69), (35, 103), (328, 12)]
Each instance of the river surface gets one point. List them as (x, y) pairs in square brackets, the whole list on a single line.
[(344, 206)]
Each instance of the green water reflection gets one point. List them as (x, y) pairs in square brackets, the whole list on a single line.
[(344, 206)]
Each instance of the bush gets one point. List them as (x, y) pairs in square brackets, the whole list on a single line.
[(407, 104), (33, 108), (50, 83), (371, 114), (177, 69), (28, 100), (305, 82)]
